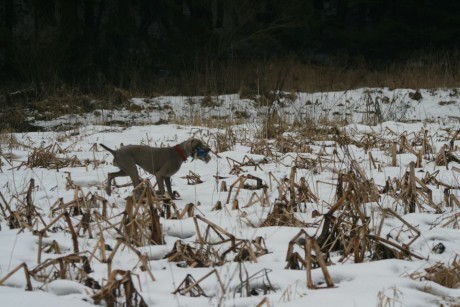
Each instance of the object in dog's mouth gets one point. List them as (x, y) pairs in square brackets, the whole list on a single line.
[(202, 154)]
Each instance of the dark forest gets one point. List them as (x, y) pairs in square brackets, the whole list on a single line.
[(147, 44)]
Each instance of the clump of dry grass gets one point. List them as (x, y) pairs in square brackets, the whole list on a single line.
[(41, 157), (48, 102), (280, 216), (8, 140), (415, 95), (274, 125), (210, 102), (225, 141), (247, 92), (47, 157), (447, 276)]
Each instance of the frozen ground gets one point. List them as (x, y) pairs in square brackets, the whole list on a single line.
[(386, 282)]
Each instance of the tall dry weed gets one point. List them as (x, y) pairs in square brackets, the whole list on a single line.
[(8, 140)]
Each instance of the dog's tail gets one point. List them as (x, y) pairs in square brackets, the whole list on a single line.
[(108, 149)]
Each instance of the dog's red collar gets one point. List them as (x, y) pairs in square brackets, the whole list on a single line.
[(181, 153)]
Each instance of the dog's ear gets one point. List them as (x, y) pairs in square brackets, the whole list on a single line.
[(190, 145), (196, 143)]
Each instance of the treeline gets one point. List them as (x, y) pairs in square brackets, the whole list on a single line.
[(139, 44)]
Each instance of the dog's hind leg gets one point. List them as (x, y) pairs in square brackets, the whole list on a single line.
[(112, 176), (127, 167)]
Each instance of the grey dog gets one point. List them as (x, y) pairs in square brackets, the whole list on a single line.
[(163, 162)]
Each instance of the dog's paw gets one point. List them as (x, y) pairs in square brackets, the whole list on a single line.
[(175, 195)]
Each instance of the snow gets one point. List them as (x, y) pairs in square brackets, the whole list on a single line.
[(384, 282)]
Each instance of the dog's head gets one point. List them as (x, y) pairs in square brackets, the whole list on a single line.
[(198, 149)]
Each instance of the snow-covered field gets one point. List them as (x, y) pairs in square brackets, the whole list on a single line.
[(418, 123)]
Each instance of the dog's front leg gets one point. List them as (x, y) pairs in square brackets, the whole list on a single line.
[(168, 186), (161, 184)]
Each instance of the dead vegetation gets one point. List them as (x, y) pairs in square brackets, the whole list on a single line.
[(53, 156), (440, 273), (345, 227)]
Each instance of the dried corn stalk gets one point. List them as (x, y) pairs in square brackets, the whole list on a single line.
[(119, 291)]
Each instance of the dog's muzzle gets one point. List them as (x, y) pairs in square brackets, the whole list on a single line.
[(202, 154)]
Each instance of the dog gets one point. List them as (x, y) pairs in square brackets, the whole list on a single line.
[(161, 162)]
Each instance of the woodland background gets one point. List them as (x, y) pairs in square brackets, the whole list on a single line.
[(204, 47)]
